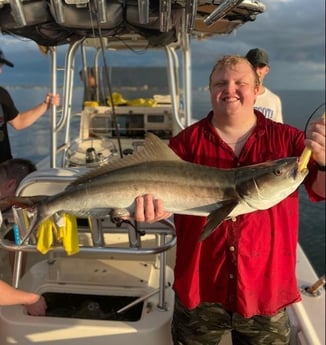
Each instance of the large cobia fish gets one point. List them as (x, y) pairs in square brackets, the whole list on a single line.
[(184, 188)]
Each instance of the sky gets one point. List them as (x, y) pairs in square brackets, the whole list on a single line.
[(291, 31)]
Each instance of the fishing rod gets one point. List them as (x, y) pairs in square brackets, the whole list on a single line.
[(306, 153)]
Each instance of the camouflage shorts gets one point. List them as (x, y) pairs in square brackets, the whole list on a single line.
[(206, 324)]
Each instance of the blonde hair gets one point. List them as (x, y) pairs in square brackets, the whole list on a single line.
[(232, 60)]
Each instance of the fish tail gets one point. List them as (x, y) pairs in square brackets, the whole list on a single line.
[(39, 216), (25, 202)]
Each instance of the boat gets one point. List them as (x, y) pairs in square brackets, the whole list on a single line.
[(118, 287)]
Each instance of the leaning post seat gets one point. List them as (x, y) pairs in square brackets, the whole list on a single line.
[(52, 181), (48, 181)]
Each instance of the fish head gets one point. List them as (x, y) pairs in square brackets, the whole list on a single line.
[(264, 185)]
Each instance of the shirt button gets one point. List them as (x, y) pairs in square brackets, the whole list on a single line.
[(231, 276), (234, 219), (231, 248)]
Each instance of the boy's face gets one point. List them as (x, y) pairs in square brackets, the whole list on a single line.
[(233, 89)]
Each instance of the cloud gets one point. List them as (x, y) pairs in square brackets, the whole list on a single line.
[(292, 32)]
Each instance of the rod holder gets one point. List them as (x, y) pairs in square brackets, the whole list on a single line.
[(221, 11), (101, 11), (58, 10), (17, 12), (165, 15), (143, 11), (191, 10)]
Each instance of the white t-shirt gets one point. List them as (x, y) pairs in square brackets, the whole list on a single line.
[(270, 105)]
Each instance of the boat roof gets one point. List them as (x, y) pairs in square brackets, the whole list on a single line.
[(150, 23)]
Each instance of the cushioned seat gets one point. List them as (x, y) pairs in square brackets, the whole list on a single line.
[(48, 181)]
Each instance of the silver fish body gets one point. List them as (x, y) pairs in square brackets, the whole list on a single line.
[(184, 187)]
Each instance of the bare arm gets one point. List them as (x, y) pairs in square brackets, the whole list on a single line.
[(28, 117), (316, 143), (34, 303), (319, 184)]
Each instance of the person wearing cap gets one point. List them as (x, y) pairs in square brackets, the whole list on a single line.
[(18, 120), (266, 102)]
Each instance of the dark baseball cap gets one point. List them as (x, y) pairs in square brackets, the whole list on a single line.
[(257, 57), (3, 60)]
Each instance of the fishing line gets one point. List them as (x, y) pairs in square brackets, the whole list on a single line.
[(94, 10), (311, 116)]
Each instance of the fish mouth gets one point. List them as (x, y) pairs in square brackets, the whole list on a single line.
[(304, 172), (297, 173)]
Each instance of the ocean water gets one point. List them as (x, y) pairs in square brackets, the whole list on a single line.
[(33, 143)]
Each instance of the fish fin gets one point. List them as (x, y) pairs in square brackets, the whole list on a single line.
[(154, 149), (119, 215), (216, 217)]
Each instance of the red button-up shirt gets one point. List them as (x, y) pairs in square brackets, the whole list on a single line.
[(248, 263)]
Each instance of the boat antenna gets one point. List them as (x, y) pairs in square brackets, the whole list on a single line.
[(107, 80)]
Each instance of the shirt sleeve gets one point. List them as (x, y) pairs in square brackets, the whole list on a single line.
[(8, 106)]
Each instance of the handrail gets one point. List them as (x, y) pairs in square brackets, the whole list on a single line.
[(308, 328), (135, 248), (53, 114), (8, 245), (187, 82), (102, 249)]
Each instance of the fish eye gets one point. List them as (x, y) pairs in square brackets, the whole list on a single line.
[(277, 172)]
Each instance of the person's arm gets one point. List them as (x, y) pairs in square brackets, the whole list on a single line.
[(28, 117), (315, 141), (34, 303), (319, 185)]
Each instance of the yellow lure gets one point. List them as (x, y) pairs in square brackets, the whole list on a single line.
[(305, 156)]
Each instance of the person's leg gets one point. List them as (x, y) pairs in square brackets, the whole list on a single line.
[(261, 330), (204, 325)]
